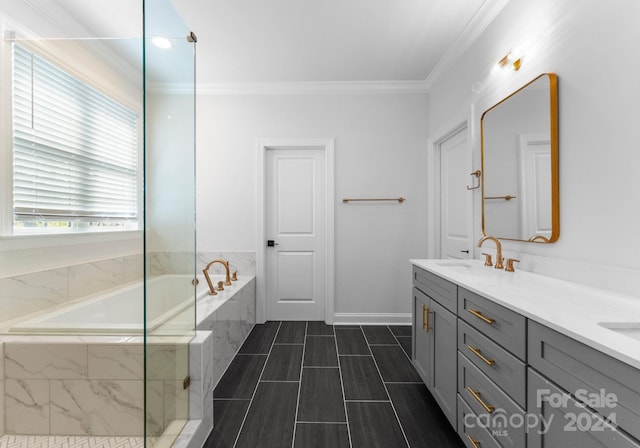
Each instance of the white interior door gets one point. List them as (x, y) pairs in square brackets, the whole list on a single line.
[(455, 200), (535, 189), (295, 224)]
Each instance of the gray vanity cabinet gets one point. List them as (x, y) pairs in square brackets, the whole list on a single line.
[(566, 423), (609, 389), (509, 366), (435, 339), (443, 369), (421, 349)]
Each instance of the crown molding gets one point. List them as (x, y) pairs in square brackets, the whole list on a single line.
[(476, 26), (304, 88)]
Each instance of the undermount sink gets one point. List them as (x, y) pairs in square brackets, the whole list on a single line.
[(630, 329), (456, 263)]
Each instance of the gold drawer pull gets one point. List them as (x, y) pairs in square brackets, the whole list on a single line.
[(479, 315), (474, 443), (424, 324), (425, 318), (476, 395), (428, 326), (479, 354)]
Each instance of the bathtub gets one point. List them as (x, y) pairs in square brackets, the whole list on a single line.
[(170, 298)]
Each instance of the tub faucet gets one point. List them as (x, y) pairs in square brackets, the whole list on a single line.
[(212, 289), (499, 258)]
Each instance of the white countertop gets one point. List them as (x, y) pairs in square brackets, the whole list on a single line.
[(572, 309)]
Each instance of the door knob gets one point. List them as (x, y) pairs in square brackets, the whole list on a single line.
[(271, 243)]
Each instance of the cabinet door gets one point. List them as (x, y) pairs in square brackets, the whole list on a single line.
[(443, 376), (562, 422), (421, 340)]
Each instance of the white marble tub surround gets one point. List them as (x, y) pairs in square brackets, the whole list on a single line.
[(230, 320), (201, 389), (573, 309), (92, 385), (223, 323), (30, 292), (243, 262), (182, 262), (117, 310)]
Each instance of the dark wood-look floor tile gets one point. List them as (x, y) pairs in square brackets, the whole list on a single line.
[(400, 330), (374, 425), (260, 339), (405, 343), (271, 417), (321, 435), (361, 379), (284, 363), (378, 334), (229, 415), (321, 397), (241, 377), (422, 419), (291, 333), (319, 328), (320, 351), (351, 342), (394, 365)]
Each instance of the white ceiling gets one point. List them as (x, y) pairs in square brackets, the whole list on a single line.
[(263, 41), (282, 41)]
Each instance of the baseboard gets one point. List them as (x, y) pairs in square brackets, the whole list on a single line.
[(372, 318)]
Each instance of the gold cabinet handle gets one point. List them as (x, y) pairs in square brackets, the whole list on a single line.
[(474, 443), (476, 395), (424, 325), (479, 354), (428, 326), (479, 315)]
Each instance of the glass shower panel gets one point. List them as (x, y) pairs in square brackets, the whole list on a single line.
[(71, 286), (169, 71)]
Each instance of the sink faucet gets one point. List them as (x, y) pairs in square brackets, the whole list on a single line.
[(499, 258), (212, 289)]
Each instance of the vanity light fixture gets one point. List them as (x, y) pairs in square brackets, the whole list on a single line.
[(161, 42), (512, 59)]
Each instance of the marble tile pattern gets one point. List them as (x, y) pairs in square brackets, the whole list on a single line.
[(96, 407), (21, 295), (201, 372), (79, 388), (243, 262), (26, 406), (230, 325), (182, 262), (73, 385), (93, 385)]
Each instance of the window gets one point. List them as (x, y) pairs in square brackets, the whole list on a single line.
[(75, 152)]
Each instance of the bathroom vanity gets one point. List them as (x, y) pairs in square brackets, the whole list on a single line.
[(522, 360)]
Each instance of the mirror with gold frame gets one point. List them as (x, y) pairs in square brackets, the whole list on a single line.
[(520, 194)]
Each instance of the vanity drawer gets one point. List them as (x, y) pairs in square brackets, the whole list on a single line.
[(469, 428), (479, 391), (575, 366), (499, 365), (567, 423), (439, 289), (500, 324)]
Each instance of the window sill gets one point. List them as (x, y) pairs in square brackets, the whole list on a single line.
[(36, 241)]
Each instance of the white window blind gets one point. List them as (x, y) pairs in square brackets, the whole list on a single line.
[(75, 150)]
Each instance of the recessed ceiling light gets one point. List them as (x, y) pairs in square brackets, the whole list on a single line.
[(161, 42)]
